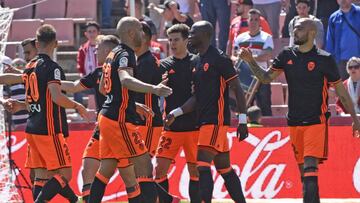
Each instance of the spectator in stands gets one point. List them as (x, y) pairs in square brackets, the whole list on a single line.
[(324, 8), (290, 10), (170, 11), (343, 36), (106, 6), (29, 49), (303, 9), (86, 58), (155, 16), (139, 14), (187, 6), (157, 49), (254, 117), (16, 91), (217, 11), (240, 23), (352, 84), (17, 66), (261, 44), (270, 9)]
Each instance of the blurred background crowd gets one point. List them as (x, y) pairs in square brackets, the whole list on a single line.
[(265, 26)]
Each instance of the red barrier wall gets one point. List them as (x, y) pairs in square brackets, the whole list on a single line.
[(264, 162)]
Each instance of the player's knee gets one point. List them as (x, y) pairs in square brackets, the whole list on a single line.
[(143, 165), (66, 173), (205, 155), (193, 170), (91, 166), (107, 167), (310, 166), (162, 167), (128, 176)]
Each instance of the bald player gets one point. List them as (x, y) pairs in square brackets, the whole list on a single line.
[(214, 76), (309, 72), (120, 142)]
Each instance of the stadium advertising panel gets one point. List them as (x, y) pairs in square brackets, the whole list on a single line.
[(264, 162)]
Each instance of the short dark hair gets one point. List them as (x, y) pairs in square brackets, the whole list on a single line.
[(139, 2), (28, 41), (147, 30), (307, 2), (92, 24), (46, 34), (254, 113), (108, 40), (167, 4), (254, 11), (179, 28)]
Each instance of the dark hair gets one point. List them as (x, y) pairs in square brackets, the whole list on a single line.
[(139, 2), (108, 40), (254, 113), (92, 24), (254, 11), (28, 41), (179, 28), (307, 2), (167, 4), (147, 30), (46, 34)]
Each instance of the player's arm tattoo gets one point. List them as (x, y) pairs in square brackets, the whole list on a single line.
[(265, 76)]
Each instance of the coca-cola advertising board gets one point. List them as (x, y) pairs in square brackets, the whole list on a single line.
[(264, 162)]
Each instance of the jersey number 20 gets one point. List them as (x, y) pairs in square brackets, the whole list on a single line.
[(32, 86)]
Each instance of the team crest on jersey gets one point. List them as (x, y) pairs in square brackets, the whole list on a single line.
[(311, 66), (123, 62), (57, 74), (206, 67)]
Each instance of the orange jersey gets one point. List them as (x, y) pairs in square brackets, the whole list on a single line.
[(120, 102), (45, 116)]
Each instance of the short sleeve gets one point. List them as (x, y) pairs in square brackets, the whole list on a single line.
[(331, 71), (54, 74), (278, 63), (269, 44), (226, 69), (124, 60), (89, 81)]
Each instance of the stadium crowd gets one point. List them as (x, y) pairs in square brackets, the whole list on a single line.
[(276, 23)]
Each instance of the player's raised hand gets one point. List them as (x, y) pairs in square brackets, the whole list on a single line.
[(143, 111), (356, 128), (162, 90), (245, 54), (84, 112), (242, 132)]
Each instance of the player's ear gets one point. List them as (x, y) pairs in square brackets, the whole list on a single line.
[(56, 43), (37, 44)]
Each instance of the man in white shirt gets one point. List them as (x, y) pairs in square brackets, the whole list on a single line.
[(303, 9), (261, 44)]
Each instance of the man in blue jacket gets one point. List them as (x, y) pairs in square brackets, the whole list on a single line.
[(343, 36)]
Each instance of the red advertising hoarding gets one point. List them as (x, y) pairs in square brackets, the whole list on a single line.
[(264, 162)]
